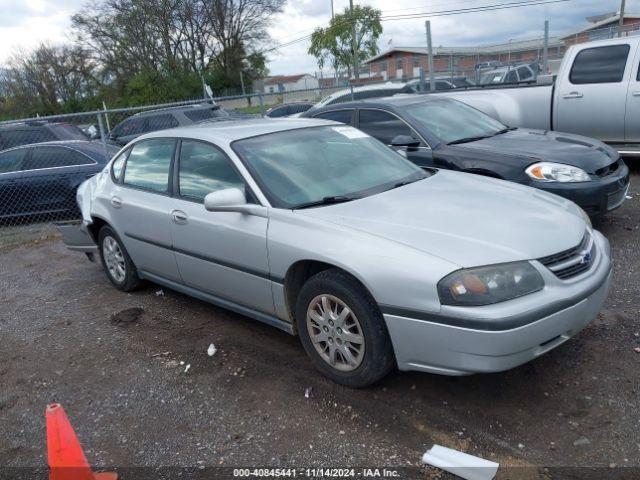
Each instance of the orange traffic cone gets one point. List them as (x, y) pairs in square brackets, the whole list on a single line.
[(66, 458)]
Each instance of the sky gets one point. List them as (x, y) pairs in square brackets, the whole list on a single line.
[(25, 23)]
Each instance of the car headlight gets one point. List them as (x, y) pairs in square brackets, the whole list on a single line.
[(556, 172), (492, 284)]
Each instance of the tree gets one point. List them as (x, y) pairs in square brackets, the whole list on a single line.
[(334, 43)]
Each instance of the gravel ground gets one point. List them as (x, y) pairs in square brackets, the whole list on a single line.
[(117, 362)]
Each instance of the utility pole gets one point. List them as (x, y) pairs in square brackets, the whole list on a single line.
[(621, 22), (332, 15), (432, 81), (545, 49), (354, 42)]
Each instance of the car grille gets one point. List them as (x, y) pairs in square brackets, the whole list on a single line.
[(572, 262), (609, 169)]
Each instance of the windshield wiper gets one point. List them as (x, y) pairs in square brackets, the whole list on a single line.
[(468, 139), (325, 201), (505, 130)]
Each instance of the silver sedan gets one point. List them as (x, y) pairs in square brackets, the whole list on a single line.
[(320, 230)]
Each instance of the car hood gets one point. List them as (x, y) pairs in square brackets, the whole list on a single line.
[(537, 145), (465, 219)]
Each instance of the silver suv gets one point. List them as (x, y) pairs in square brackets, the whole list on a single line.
[(318, 229)]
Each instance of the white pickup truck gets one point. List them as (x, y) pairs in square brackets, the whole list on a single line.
[(596, 93)]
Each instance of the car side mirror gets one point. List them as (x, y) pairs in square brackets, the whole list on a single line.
[(223, 200), (405, 141), (232, 200)]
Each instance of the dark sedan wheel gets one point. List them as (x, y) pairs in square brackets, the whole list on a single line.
[(116, 262), (342, 330)]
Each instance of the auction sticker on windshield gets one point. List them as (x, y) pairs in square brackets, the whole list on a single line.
[(350, 132)]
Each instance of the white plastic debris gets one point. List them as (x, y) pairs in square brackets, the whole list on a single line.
[(307, 392), (211, 351), (159, 293), (629, 197), (461, 464), (186, 369)]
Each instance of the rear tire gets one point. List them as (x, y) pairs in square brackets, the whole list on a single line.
[(342, 330), (116, 262)]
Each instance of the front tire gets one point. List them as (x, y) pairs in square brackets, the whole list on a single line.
[(342, 330), (116, 262)]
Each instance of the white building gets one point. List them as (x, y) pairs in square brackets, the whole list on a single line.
[(288, 83)]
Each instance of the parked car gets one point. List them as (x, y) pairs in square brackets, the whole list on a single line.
[(286, 109), (509, 74), (434, 131), (363, 92), (442, 83), (42, 179), (37, 131), (161, 119), (318, 229), (596, 93)]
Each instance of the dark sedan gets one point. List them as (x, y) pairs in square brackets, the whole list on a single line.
[(39, 181), (441, 132)]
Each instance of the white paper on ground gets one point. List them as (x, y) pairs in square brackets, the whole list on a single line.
[(461, 464)]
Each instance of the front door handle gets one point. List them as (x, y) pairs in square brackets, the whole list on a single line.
[(573, 95), (116, 202), (179, 217)]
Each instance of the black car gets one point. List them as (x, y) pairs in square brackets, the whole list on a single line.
[(40, 181), (152, 120), (434, 131), (36, 131)]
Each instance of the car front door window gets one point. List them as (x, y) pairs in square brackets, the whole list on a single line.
[(383, 125), (204, 169)]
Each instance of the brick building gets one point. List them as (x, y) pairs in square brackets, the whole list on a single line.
[(404, 62)]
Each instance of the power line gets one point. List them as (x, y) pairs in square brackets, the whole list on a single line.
[(441, 13)]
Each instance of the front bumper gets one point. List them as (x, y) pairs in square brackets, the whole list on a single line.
[(597, 197), (440, 346)]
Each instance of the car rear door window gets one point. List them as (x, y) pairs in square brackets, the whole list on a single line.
[(199, 114), (13, 160), (342, 116), (278, 112), (204, 169), (56, 157), (512, 77), (131, 126), (161, 122), (599, 65), (383, 125), (149, 163), (22, 136)]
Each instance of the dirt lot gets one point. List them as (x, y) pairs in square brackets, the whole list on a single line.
[(67, 336)]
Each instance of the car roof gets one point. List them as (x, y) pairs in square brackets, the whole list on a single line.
[(397, 100), (181, 108), (31, 124), (93, 148), (231, 130)]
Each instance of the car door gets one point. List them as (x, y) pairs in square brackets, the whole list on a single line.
[(139, 206), (632, 117), (13, 187), (221, 253), (54, 173), (385, 126), (591, 97)]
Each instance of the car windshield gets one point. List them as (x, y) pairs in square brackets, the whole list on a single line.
[(492, 77), (322, 165), (452, 121)]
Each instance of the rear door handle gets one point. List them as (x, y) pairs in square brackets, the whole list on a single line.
[(116, 202), (573, 95), (179, 217), (635, 94)]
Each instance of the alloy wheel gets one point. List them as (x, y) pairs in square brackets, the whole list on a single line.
[(335, 332), (114, 259)]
